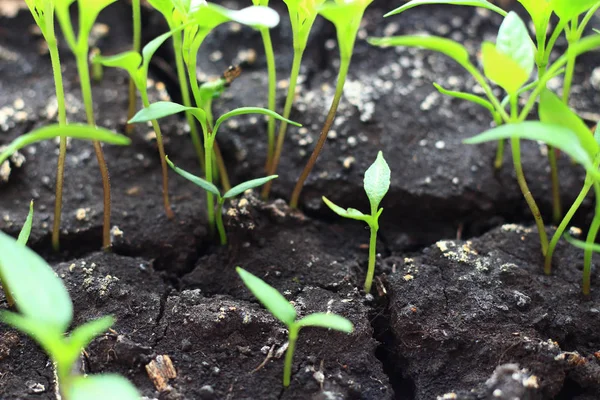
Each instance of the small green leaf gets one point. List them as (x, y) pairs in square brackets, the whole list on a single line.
[(474, 3), (88, 12), (351, 213), (514, 41), (450, 48), (82, 336), (553, 111), (327, 320), (502, 69), (539, 11), (75, 131), (269, 297), (163, 109), (554, 135), (37, 291), (209, 16), (242, 187), (466, 96), (377, 181), (204, 184), (130, 61), (49, 337), (250, 110), (153, 45), (165, 7), (346, 16), (26, 230), (570, 9), (102, 387)]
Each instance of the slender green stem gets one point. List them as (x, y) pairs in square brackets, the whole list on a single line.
[(219, 218), (185, 95), (374, 226), (289, 101), (591, 239), (568, 80), (137, 45), (564, 223), (586, 19), (556, 202), (86, 91), (289, 354), (218, 162), (555, 35), (210, 200), (9, 298), (272, 73), (500, 149)]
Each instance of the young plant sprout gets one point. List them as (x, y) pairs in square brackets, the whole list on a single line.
[(346, 15), (137, 47), (137, 66), (376, 183), (302, 17), (286, 313), (272, 74), (164, 108), (43, 14), (79, 45), (45, 313), (231, 193)]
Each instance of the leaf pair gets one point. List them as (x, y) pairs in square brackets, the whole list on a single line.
[(346, 16)]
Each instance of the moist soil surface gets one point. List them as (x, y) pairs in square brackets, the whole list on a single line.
[(460, 308)]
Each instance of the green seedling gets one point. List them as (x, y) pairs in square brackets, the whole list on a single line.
[(302, 17), (79, 45), (272, 77), (138, 65), (346, 15), (230, 194), (286, 313), (137, 47), (45, 313), (376, 183), (164, 108), (43, 14)]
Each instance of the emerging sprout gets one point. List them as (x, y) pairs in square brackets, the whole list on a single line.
[(285, 312), (376, 184), (45, 313), (231, 193)]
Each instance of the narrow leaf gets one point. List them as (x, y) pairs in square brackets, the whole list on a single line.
[(474, 3), (88, 12), (581, 244), (514, 41), (327, 320), (466, 96), (269, 297), (539, 11), (377, 181), (251, 110), (82, 336), (502, 69), (47, 336), (102, 387), (351, 213), (26, 230), (130, 61), (204, 184), (242, 187), (163, 109), (569, 9)]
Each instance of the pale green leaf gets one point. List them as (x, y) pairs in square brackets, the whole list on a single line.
[(474, 3), (102, 387), (553, 111), (377, 181), (38, 293), (502, 69), (251, 110), (346, 16), (47, 336), (26, 230), (569, 9), (130, 61), (327, 320), (88, 12), (514, 41), (209, 16), (450, 48), (242, 187), (466, 96), (165, 7), (351, 213), (539, 11), (163, 109), (204, 184), (269, 297), (75, 131)]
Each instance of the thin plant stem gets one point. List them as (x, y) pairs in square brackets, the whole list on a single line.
[(210, 200), (339, 91), (62, 120), (556, 202), (564, 223), (289, 355), (185, 95), (591, 239), (9, 298), (163, 162), (289, 101), (137, 45), (372, 254), (498, 161), (272, 73), (219, 219), (86, 91), (221, 167)]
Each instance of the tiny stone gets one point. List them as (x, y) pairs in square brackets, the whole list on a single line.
[(455, 180), (352, 141), (80, 214), (348, 162), (332, 134), (440, 144)]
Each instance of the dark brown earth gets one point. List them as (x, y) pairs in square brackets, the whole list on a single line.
[(446, 313)]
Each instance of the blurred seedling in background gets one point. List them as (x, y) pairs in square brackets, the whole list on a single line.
[(302, 17), (164, 108), (43, 14), (346, 15), (231, 193), (45, 314), (79, 45), (286, 313), (136, 13), (376, 183)]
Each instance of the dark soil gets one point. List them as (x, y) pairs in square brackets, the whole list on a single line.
[(446, 314)]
